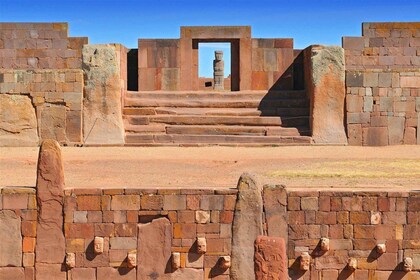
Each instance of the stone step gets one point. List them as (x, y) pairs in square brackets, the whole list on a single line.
[(220, 95), (136, 139), (217, 111), (152, 128), (218, 103), (230, 130), (204, 120)]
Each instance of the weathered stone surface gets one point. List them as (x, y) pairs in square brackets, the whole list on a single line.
[(396, 130), (50, 244), (18, 125), (275, 206), (186, 273), (154, 249), (247, 226), (102, 115), (11, 239), (52, 120), (270, 258), (50, 271), (325, 79), (15, 273), (112, 273)]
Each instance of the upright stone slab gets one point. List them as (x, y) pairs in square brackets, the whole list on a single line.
[(218, 70), (247, 226), (275, 208), (102, 116), (10, 239), (270, 258), (154, 250), (50, 242), (18, 125), (324, 78)]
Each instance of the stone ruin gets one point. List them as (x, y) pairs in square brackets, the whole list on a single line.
[(252, 231), (53, 86)]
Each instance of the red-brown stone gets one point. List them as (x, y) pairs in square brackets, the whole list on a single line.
[(270, 258), (50, 244)]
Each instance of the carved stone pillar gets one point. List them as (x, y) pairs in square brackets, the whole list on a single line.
[(218, 70)]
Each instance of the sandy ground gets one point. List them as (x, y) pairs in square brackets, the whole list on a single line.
[(385, 168)]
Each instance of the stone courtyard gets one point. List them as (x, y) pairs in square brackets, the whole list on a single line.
[(120, 163)]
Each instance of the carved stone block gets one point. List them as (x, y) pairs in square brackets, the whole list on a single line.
[(132, 259), (98, 245), (201, 245), (407, 264), (176, 260), (381, 248), (352, 263), (70, 260), (224, 262), (305, 260)]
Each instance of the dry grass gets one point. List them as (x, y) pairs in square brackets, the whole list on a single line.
[(354, 169)]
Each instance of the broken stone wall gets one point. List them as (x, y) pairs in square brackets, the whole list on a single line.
[(382, 84), (39, 61)]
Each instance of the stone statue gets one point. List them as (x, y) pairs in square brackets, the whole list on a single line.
[(325, 244), (201, 245), (218, 70), (408, 264), (70, 260), (132, 259), (305, 260), (98, 245)]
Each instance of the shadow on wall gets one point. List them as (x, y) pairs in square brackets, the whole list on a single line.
[(287, 99)]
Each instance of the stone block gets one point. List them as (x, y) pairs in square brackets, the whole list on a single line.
[(50, 271), (370, 79), (212, 202), (354, 79), (354, 134), (15, 273), (88, 202), (354, 103), (375, 136), (82, 274), (396, 130), (385, 80), (11, 245), (19, 124), (52, 120), (111, 273), (151, 202), (410, 81), (270, 258), (327, 94), (102, 109), (125, 202), (387, 261), (127, 243), (194, 260), (259, 80), (154, 243), (353, 43), (174, 202)]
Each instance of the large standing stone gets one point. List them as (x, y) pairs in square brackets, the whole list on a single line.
[(50, 243), (10, 239), (18, 125), (270, 258), (154, 250), (275, 204), (247, 225), (218, 70), (325, 77), (103, 123)]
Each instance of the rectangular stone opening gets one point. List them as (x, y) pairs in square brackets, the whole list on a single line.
[(205, 52), (132, 70)]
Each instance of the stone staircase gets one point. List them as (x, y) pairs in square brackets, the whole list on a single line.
[(245, 118)]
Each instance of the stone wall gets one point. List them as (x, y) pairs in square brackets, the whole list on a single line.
[(272, 64), (18, 215), (40, 61), (354, 222), (382, 84)]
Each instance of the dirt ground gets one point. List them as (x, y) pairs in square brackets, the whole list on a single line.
[(386, 168)]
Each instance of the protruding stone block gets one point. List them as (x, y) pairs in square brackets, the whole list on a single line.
[(132, 259), (50, 242), (224, 262), (176, 260), (247, 226), (324, 244), (352, 264), (304, 261), (70, 260), (381, 248), (98, 245), (407, 264), (201, 245), (270, 258)]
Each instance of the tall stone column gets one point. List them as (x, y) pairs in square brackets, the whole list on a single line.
[(50, 243), (218, 70)]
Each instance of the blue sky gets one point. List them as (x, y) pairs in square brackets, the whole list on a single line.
[(119, 21)]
